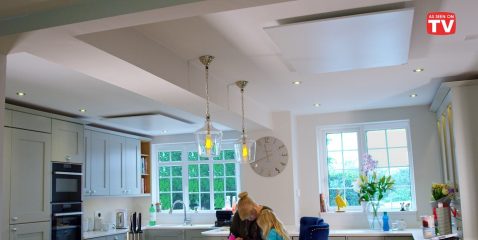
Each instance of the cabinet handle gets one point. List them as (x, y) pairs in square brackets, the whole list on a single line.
[(116, 238), (94, 191), (14, 218), (14, 229), (67, 157)]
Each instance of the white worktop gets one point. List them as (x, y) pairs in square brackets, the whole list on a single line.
[(294, 232), (181, 226), (95, 234)]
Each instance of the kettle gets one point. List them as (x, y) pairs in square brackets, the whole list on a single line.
[(121, 218)]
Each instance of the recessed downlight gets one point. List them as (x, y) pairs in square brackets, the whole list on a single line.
[(21, 94), (413, 95), (82, 110), (316, 104), (296, 82), (417, 70)]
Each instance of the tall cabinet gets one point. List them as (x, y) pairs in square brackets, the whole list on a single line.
[(27, 154)]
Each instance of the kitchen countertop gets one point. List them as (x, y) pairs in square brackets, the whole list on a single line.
[(95, 234), (293, 231), (180, 226)]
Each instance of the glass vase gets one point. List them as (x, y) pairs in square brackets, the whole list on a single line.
[(374, 222)]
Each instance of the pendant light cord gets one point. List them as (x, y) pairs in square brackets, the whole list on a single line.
[(207, 95), (242, 101)]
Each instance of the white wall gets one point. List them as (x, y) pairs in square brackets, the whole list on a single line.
[(275, 192), (426, 159), (3, 220)]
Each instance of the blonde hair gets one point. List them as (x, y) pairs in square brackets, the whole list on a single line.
[(268, 220), (245, 205)]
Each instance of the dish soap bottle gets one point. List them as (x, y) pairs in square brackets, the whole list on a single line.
[(386, 226), (152, 215)]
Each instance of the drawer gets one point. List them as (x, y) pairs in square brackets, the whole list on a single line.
[(31, 122), (364, 238), (398, 238), (336, 238)]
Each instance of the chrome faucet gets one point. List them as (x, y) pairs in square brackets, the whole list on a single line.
[(187, 221)]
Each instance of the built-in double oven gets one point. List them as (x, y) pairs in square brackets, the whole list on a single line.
[(66, 203)]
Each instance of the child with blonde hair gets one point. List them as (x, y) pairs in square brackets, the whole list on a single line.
[(271, 226)]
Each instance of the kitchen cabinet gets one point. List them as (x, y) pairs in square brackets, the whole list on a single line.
[(165, 234), (30, 122), (124, 161), (98, 164), (398, 238), (116, 237), (30, 231), (117, 165), (132, 166), (67, 142), (333, 238), (30, 176), (365, 238)]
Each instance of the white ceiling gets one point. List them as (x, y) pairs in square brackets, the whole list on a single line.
[(243, 50), (53, 86)]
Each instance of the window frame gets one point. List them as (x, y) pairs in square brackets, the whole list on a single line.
[(184, 148), (361, 129)]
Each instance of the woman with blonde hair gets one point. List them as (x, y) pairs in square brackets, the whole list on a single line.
[(271, 226), (244, 226)]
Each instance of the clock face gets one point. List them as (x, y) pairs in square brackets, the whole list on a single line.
[(271, 157)]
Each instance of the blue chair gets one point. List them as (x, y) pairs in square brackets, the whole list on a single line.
[(313, 228)]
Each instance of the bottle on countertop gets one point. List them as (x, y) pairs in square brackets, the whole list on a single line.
[(152, 215), (386, 225), (98, 223)]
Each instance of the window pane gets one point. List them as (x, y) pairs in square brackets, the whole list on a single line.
[(205, 201), (382, 172), (177, 196), (397, 138), (203, 158), (230, 184), (193, 156), (398, 157), (220, 157), (205, 185), (229, 154), (336, 179), (177, 171), (164, 156), (164, 171), (176, 156), (164, 185), (332, 194), (334, 141), (350, 177), (350, 141), (219, 185), (165, 200), (218, 169), (193, 200), (194, 185), (351, 160), (352, 197), (219, 202), (379, 155), (204, 170), (230, 169), (401, 194), (334, 160), (401, 175), (376, 139), (177, 184), (193, 171)]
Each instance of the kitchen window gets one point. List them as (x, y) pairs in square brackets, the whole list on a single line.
[(341, 150), (202, 183)]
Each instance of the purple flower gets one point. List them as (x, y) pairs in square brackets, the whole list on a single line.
[(368, 164)]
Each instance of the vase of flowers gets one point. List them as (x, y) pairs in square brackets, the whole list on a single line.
[(442, 195), (371, 188)]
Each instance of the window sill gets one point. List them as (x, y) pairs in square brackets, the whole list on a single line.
[(359, 212)]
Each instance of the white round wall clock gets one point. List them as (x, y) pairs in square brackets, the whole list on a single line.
[(271, 157)]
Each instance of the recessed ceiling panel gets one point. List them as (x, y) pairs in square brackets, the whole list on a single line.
[(339, 44)]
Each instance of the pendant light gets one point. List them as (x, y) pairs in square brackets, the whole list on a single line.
[(208, 138), (245, 148)]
